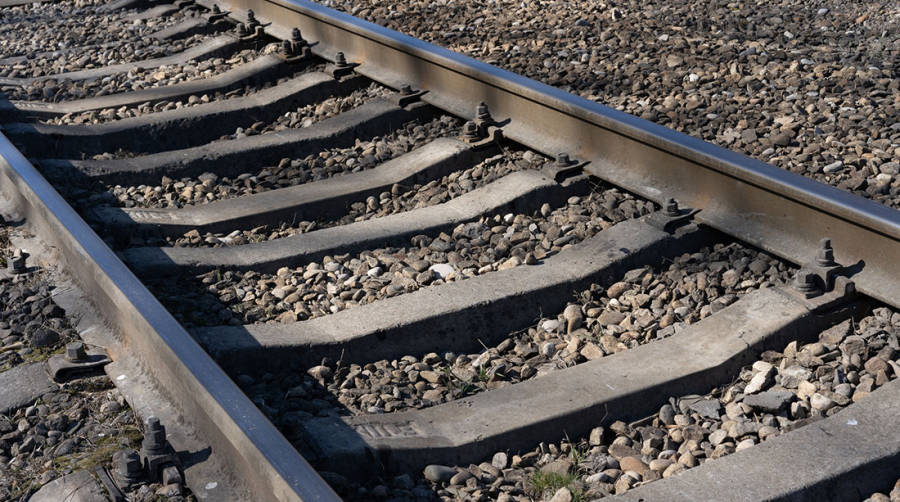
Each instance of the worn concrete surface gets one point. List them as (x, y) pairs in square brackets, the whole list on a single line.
[(228, 158), (452, 317), (178, 128), (317, 200), (624, 386)]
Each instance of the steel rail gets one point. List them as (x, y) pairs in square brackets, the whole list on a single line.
[(776, 210), (241, 437)]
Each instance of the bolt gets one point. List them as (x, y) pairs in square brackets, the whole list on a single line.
[(287, 47), (171, 476), (340, 60), (482, 112), (825, 256), (805, 282), (563, 160), (406, 90), (672, 207), (216, 9), (75, 352), (242, 29), (16, 263), (251, 16), (154, 436), (295, 35), (470, 131), (128, 466)]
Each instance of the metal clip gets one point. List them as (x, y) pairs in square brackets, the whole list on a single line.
[(252, 29), (341, 67), (296, 48), (159, 459), (76, 361), (216, 15), (820, 281), (483, 119), (408, 96), (16, 263), (564, 167), (671, 217), (483, 130)]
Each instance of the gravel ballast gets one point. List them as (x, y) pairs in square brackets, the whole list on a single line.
[(97, 57), (51, 26), (643, 305), (32, 326), (813, 89), (49, 90), (64, 430), (493, 242), (365, 154)]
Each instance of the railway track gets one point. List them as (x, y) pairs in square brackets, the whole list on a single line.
[(351, 258)]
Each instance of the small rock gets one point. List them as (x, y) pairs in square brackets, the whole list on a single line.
[(442, 270), (805, 389), (559, 466), (709, 408), (591, 351), (667, 414), (500, 460), (439, 473), (320, 372), (562, 495), (633, 464), (596, 436), (821, 402), (770, 401), (760, 381)]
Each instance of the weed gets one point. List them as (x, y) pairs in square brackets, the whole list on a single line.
[(483, 374), (549, 481)]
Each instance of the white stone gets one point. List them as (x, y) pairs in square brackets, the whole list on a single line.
[(442, 269), (820, 402), (760, 381), (550, 325)]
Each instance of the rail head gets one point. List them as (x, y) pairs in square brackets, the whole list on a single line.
[(241, 437), (779, 211)]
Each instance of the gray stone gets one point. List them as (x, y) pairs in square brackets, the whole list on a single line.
[(717, 437), (21, 385), (559, 466), (596, 436), (740, 429), (439, 473), (709, 408), (793, 375), (611, 317), (79, 486), (770, 401), (836, 334)]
